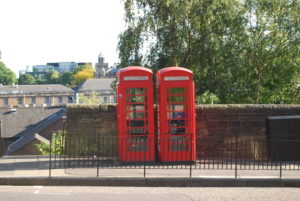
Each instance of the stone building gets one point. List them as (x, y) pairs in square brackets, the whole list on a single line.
[(35, 95), (100, 67), (102, 87)]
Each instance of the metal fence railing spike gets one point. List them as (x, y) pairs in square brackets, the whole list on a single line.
[(238, 153)]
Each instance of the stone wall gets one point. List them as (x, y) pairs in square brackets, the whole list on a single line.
[(217, 126), (83, 122), (90, 118), (211, 120), (242, 120)]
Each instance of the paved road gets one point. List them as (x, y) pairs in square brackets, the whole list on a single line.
[(38, 193)]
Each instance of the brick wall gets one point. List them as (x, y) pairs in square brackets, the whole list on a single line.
[(54, 127), (217, 125), (87, 120), (211, 120), (243, 120), (28, 149)]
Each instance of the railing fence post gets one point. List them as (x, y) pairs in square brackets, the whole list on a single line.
[(50, 156), (236, 153), (98, 148)]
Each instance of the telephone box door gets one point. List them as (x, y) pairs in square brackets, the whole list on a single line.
[(135, 114), (176, 115)]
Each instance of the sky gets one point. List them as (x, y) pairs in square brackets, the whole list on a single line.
[(35, 32)]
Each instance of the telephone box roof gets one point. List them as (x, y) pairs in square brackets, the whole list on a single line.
[(134, 68), (173, 69)]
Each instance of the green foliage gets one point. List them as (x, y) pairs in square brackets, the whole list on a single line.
[(92, 98), (81, 68), (67, 79), (53, 77), (241, 51), (57, 145), (7, 76), (207, 98), (26, 79), (81, 76)]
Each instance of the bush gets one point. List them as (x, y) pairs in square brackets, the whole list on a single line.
[(56, 147)]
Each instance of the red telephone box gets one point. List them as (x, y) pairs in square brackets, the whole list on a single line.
[(135, 114), (176, 114)]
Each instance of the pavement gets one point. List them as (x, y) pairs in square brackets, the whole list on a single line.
[(34, 170)]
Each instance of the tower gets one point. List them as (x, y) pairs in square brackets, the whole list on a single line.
[(100, 58), (100, 67)]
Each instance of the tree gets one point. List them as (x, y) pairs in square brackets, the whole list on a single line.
[(240, 51), (53, 77), (83, 75), (82, 67), (7, 76), (67, 78), (270, 59), (26, 79)]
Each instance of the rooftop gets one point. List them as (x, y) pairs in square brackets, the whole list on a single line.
[(29, 89), (95, 85), (18, 122)]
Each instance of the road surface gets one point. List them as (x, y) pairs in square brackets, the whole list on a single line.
[(38, 193)]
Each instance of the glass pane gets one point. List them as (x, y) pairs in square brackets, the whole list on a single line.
[(137, 147), (137, 131), (176, 99), (135, 99), (176, 91), (177, 131), (135, 107), (177, 143), (136, 115), (137, 139), (135, 91), (176, 115), (176, 107), (176, 123), (177, 139), (137, 123)]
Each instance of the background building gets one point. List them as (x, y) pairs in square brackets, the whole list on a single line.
[(39, 71), (100, 67), (102, 88), (63, 67), (24, 127), (35, 95)]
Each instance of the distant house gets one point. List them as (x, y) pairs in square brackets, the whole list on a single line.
[(102, 87), (21, 128), (35, 95)]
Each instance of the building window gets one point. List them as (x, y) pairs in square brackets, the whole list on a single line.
[(33, 100), (5, 101), (20, 100), (105, 99), (47, 100), (70, 99), (60, 99)]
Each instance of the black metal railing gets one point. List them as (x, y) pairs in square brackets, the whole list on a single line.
[(108, 151), (3, 147)]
